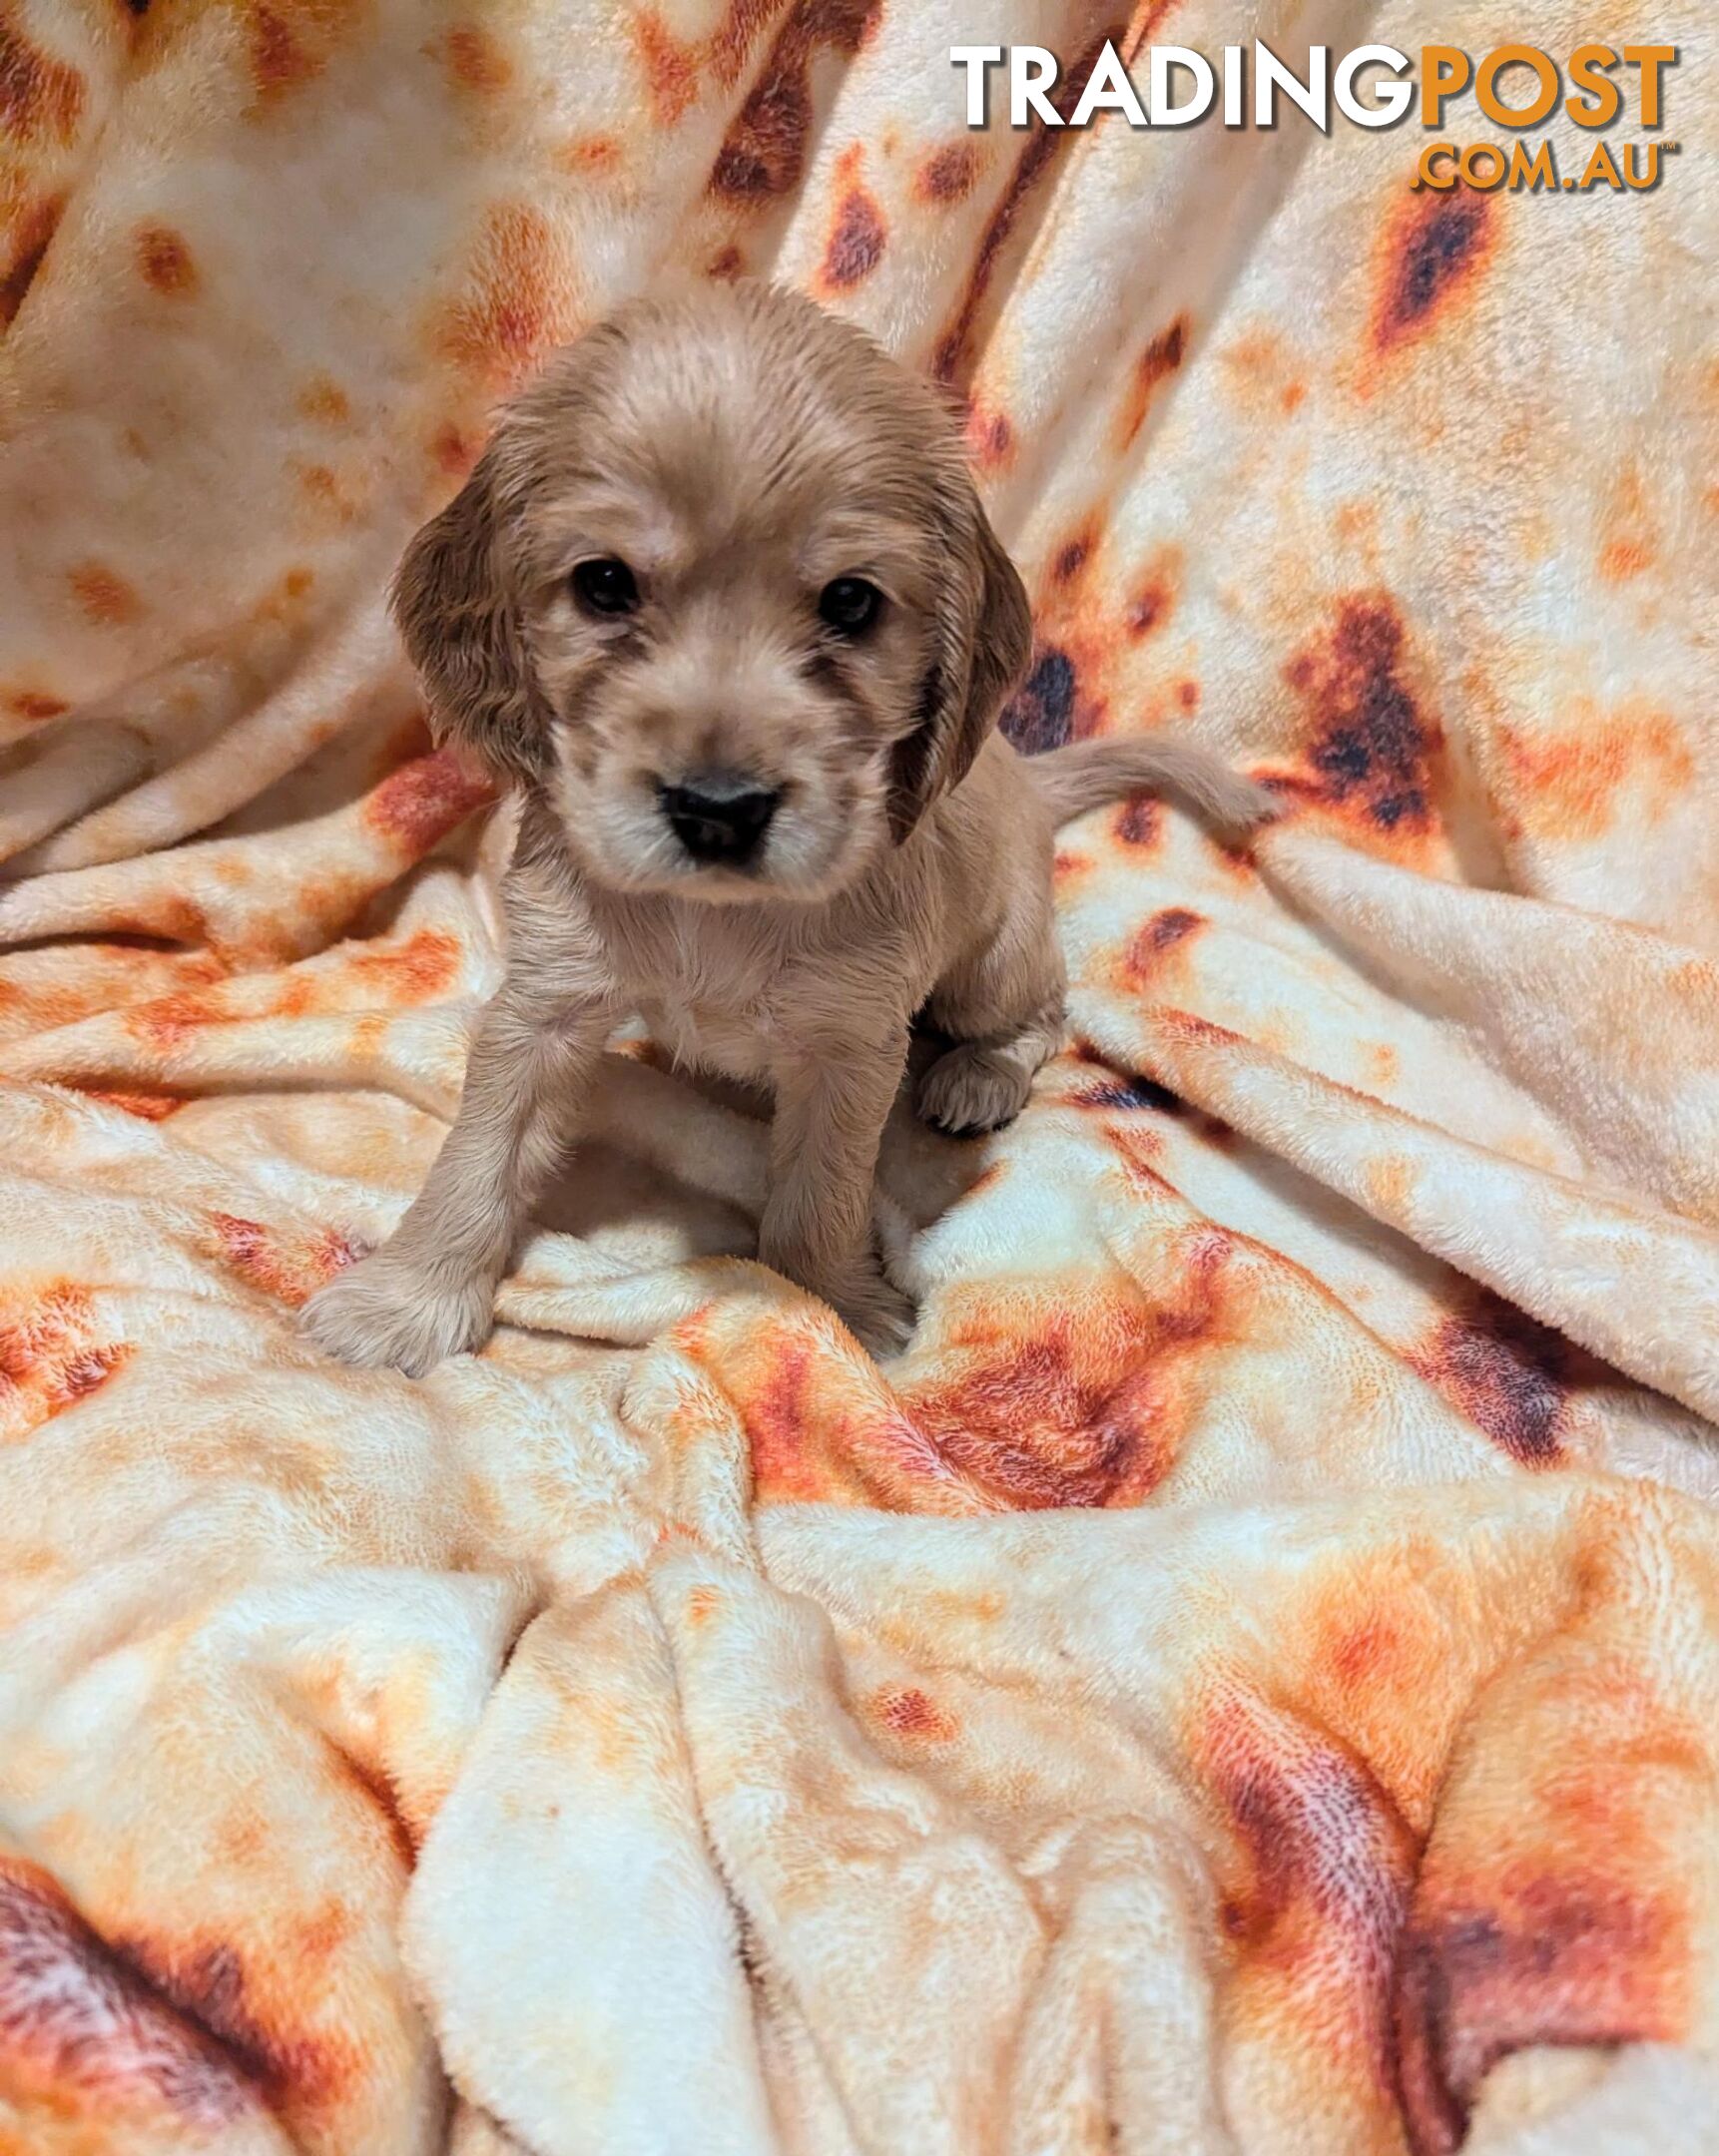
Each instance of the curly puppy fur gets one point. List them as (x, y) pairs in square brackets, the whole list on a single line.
[(720, 600)]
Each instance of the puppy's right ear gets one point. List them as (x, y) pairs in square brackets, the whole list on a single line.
[(461, 628)]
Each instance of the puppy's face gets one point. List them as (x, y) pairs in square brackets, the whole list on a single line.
[(722, 589)]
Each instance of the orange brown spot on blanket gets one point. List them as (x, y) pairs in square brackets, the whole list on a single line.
[(1508, 1374), (30, 231), (290, 42), (1154, 597), (762, 155), (1041, 713), (905, 1711), (947, 175), (1071, 559), (1140, 822), (1372, 750), (1629, 545), (1151, 943), (475, 61), (167, 1023), (1315, 1903), (103, 596), (1571, 779), (83, 2036), (257, 2019), (41, 97), (783, 1458), (33, 704), (1433, 247), (164, 262), (1554, 1956), (286, 1266), (517, 305), (52, 1355), (670, 68), (591, 153), (1162, 356), (421, 804), (324, 403), (422, 968), (1082, 1406), (989, 439), (147, 1107), (454, 451), (954, 355), (857, 240)]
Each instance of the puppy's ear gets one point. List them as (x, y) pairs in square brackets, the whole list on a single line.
[(982, 642), (461, 628)]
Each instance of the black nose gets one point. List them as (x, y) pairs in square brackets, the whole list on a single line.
[(719, 816)]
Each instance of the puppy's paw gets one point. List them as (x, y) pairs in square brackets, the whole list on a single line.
[(388, 1313), (878, 1315), (972, 1089)]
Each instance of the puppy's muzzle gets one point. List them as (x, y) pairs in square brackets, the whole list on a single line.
[(719, 816)]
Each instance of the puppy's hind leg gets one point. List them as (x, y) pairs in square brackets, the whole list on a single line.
[(1003, 1006)]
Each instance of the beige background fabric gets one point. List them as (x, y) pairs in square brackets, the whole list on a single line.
[(1247, 1680)]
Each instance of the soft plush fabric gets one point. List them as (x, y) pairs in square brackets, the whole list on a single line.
[(1247, 1680)]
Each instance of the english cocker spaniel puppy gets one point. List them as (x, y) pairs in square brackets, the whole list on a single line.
[(720, 600)]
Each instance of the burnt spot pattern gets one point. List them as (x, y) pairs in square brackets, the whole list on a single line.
[(288, 1266), (290, 43), (1551, 1961), (856, 238), (27, 249), (417, 806), (53, 1353), (1372, 749), (103, 596), (164, 262), (1161, 359), (1089, 1407), (475, 61), (41, 97), (906, 1711), (36, 704), (954, 351), (1164, 934), (1434, 247), (82, 2032), (947, 175), (516, 304), (762, 156), (1314, 1904), (1041, 713), (1510, 1376), (209, 1984)]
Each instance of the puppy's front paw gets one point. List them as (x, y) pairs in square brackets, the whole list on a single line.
[(387, 1312), (878, 1315), (971, 1090)]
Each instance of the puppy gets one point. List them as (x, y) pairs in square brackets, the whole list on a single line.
[(720, 600)]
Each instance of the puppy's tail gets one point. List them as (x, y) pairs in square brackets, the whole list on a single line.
[(1086, 773)]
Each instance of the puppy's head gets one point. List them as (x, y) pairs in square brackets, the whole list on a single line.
[(721, 588)]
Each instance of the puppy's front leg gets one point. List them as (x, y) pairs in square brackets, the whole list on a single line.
[(429, 1291), (832, 1102)]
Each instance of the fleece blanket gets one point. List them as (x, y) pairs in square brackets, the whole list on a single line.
[(1247, 1679)]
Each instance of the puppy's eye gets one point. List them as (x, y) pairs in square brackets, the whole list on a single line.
[(605, 586), (850, 605)]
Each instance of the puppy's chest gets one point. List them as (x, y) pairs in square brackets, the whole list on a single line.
[(711, 1001)]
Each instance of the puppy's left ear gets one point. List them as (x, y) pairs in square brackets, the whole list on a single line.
[(983, 642)]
